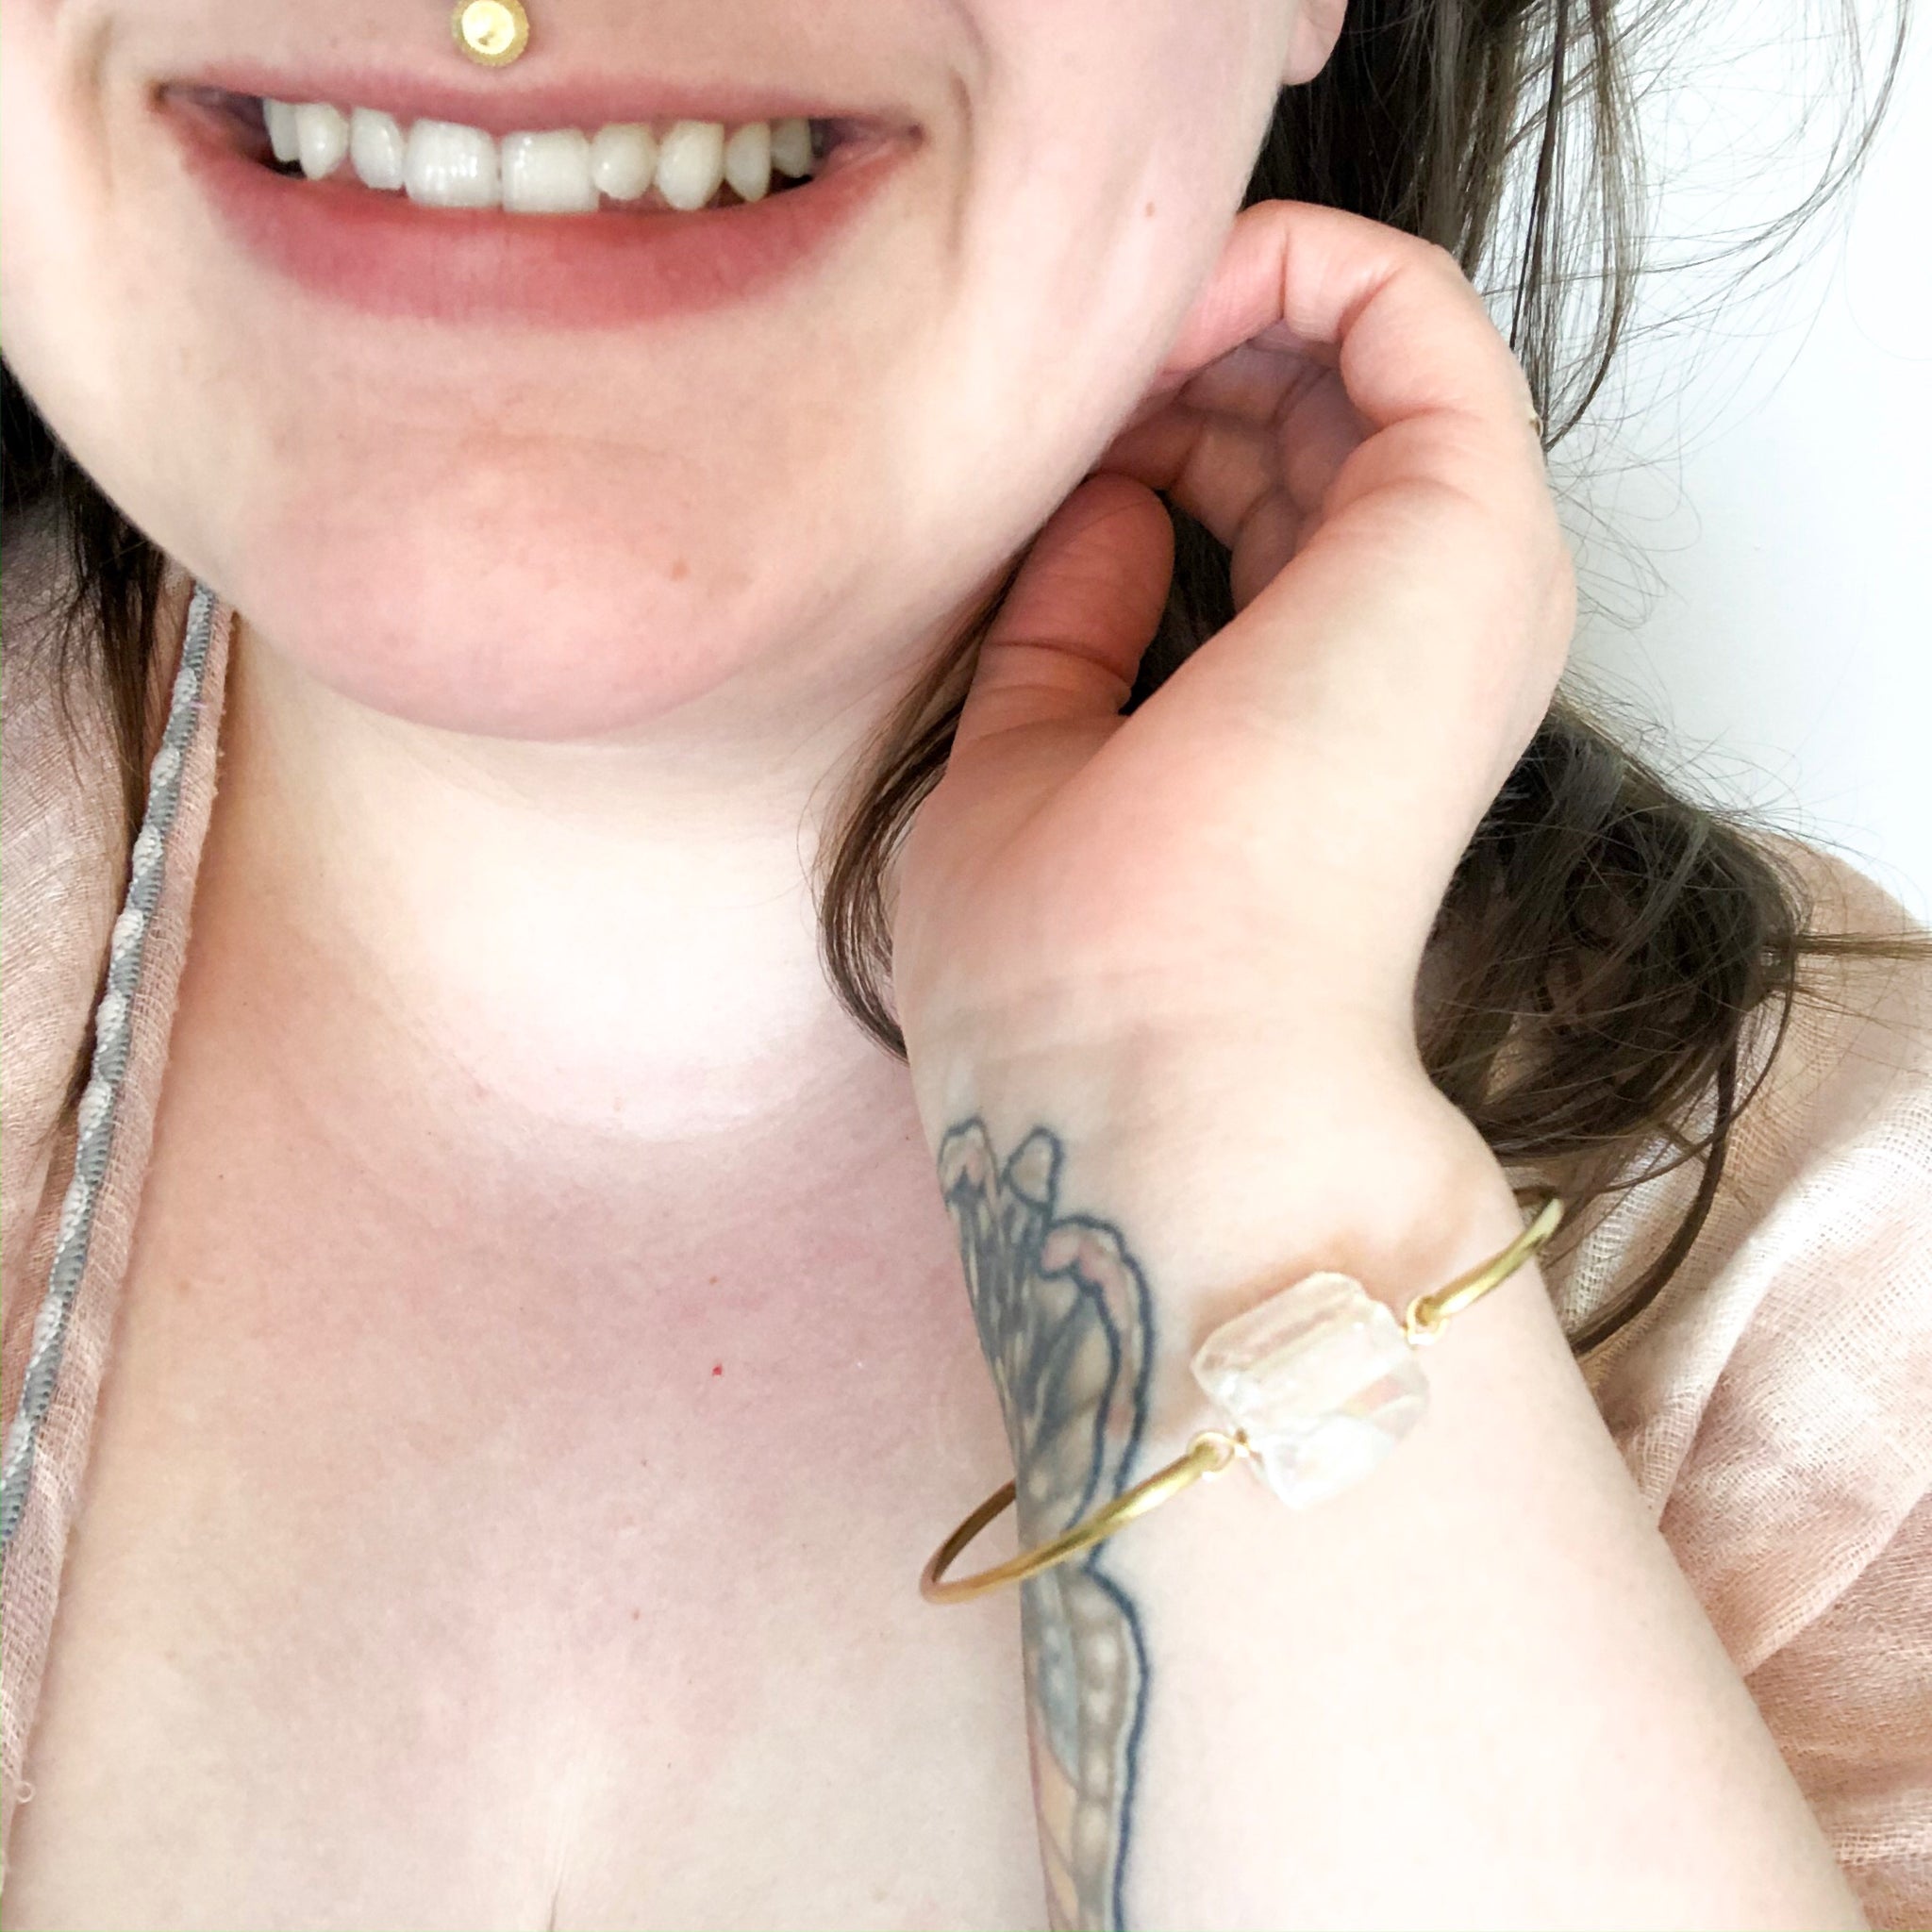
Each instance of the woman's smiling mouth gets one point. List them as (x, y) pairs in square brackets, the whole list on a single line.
[(543, 207)]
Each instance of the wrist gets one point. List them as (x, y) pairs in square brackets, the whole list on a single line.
[(1211, 1039), (1317, 1122), (1181, 1079), (1224, 1173)]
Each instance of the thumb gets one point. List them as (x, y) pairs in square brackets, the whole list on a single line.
[(1066, 641)]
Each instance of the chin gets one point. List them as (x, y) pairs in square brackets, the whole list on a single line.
[(544, 637)]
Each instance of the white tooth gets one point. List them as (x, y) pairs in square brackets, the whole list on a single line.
[(791, 146), (623, 157), (748, 161), (691, 163), (280, 117), (377, 148), (448, 165), (322, 135), (548, 174)]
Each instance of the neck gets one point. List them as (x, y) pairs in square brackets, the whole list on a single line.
[(609, 938)]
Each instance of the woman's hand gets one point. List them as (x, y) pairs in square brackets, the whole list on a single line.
[(1153, 973), (1261, 848)]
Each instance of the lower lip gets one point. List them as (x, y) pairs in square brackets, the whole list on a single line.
[(383, 254)]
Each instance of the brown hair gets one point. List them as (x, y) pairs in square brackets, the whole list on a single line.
[(1606, 944)]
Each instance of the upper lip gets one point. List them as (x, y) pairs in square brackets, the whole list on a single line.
[(510, 106)]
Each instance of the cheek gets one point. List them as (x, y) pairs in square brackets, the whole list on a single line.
[(1109, 148), (58, 295)]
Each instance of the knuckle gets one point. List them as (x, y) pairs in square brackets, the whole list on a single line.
[(1441, 258), (1560, 605)]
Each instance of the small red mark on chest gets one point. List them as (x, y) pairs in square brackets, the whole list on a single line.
[(717, 1368)]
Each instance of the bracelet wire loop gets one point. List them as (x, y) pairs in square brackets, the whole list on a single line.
[(1427, 1313), (1210, 1451)]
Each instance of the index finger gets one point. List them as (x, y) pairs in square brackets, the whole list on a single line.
[(1409, 333)]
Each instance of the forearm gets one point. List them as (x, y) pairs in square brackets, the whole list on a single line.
[(1474, 1689)]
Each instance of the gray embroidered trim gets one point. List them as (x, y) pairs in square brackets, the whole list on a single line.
[(96, 1118)]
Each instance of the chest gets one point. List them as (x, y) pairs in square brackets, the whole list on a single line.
[(440, 1565)]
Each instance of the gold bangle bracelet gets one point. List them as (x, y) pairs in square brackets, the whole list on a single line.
[(1211, 1449)]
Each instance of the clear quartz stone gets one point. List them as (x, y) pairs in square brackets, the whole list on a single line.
[(1323, 1381)]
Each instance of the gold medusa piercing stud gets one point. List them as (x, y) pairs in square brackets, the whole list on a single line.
[(493, 32)]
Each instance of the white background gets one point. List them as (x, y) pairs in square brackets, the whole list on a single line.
[(1750, 504)]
